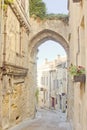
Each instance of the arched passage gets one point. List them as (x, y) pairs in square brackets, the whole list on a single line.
[(39, 34), (39, 39), (34, 43), (43, 36)]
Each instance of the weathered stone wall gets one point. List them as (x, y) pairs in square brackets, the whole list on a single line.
[(55, 30), (19, 52), (55, 25), (16, 102), (16, 41), (78, 49), (44, 30), (13, 101)]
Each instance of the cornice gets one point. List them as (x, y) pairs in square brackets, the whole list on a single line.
[(9, 69), (21, 15)]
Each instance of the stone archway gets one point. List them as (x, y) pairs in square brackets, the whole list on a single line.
[(43, 30), (39, 39), (35, 42), (55, 30), (45, 35)]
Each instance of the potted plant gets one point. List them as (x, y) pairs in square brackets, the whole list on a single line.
[(78, 73)]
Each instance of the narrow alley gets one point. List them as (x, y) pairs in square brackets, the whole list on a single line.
[(45, 120)]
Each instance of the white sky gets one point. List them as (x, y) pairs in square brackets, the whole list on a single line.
[(51, 49), (56, 6)]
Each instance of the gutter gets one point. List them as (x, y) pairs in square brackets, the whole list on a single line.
[(5, 33), (77, 54)]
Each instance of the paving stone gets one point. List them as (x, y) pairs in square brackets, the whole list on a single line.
[(45, 120)]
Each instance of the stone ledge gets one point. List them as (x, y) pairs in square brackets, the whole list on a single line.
[(14, 70), (21, 15)]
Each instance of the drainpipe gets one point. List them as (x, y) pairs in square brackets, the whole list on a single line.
[(5, 33), (0, 24), (50, 90), (1, 27), (77, 54)]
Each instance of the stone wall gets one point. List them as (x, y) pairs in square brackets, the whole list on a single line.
[(18, 56), (42, 31), (78, 49), (48, 30), (16, 47), (16, 102)]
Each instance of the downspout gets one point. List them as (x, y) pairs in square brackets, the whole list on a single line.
[(5, 33), (4, 39), (50, 90), (1, 30), (78, 51)]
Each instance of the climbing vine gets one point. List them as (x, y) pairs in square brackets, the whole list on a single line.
[(6, 2), (37, 94), (62, 17), (9, 1), (37, 8)]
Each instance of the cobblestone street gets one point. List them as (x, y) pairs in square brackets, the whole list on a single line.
[(45, 120)]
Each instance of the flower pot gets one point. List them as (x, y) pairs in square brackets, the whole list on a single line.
[(80, 78)]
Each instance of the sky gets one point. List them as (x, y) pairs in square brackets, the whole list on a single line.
[(56, 6), (51, 49)]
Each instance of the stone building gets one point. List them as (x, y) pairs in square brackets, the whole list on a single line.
[(78, 56), (62, 85), (15, 99), (52, 83), (20, 37)]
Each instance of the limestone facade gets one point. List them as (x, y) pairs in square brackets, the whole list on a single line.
[(78, 56), (52, 84), (42, 31), (15, 98), (20, 37), (18, 50)]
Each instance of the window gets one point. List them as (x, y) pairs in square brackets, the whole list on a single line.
[(46, 80), (43, 80)]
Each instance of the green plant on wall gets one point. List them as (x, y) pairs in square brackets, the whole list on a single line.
[(37, 94), (9, 1), (37, 8), (63, 17), (6, 2)]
